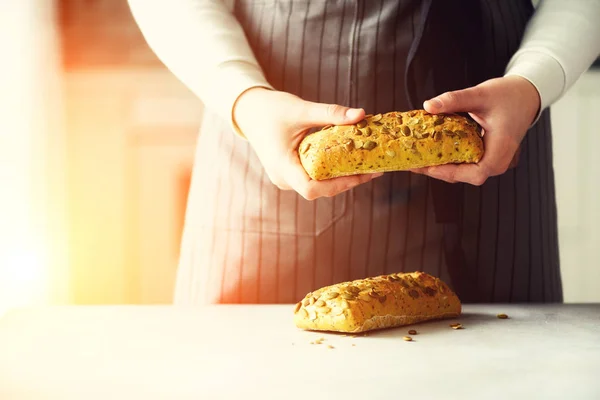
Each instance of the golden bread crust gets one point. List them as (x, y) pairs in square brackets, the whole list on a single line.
[(380, 302), (394, 141)]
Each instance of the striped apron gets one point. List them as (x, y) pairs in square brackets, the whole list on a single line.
[(245, 241)]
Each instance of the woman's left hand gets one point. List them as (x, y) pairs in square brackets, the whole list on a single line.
[(505, 108)]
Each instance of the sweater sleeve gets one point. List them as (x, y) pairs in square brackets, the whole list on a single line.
[(561, 42), (204, 46)]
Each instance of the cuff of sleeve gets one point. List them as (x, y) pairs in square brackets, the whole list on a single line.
[(231, 80), (543, 71)]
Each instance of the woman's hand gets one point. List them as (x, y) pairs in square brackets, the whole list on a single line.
[(276, 122), (505, 108)]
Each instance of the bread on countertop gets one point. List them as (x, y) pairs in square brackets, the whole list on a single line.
[(393, 141), (384, 301)]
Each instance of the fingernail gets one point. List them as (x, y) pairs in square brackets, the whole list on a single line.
[(353, 113), (434, 103)]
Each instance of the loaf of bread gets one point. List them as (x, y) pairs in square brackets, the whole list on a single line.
[(393, 141), (385, 301)]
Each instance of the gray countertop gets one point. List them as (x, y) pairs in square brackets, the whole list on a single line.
[(231, 352)]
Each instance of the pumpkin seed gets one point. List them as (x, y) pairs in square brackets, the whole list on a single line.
[(406, 130), (366, 131), (390, 153), (331, 295), (362, 124), (409, 144), (441, 287), (376, 117), (349, 145), (399, 119), (353, 289), (460, 133), (323, 310), (413, 293), (305, 302), (298, 306), (358, 144), (407, 338), (312, 300), (429, 291), (412, 332), (337, 311), (348, 296), (447, 132), (303, 313), (369, 145), (364, 297), (438, 121), (502, 316), (437, 136), (319, 303), (312, 315)]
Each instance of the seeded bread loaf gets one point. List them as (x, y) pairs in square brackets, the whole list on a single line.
[(393, 141), (385, 301)]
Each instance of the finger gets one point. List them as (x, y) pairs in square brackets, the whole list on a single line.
[(515, 159), (442, 172), (310, 189), (318, 114), (468, 100), (421, 171)]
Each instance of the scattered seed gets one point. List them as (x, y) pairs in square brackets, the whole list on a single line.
[(407, 338), (502, 316), (412, 332), (330, 346)]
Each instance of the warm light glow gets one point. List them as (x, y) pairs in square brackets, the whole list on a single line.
[(28, 69)]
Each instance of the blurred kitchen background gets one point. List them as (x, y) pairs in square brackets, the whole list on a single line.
[(96, 148)]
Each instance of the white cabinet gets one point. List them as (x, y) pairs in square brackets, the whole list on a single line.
[(576, 142)]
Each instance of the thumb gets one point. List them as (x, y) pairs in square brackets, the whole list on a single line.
[(467, 100), (318, 114)]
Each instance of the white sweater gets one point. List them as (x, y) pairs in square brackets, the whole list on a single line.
[(204, 46)]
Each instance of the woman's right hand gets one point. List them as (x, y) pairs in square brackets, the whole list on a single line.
[(275, 123)]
